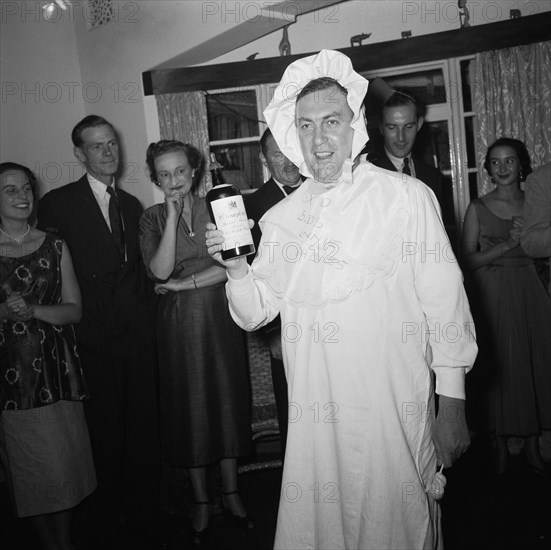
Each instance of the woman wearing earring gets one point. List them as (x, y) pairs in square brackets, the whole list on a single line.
[(515, 310), (44, 444), (204, 382)]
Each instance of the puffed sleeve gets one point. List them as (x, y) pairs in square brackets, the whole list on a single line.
[(252, 304), (438, 282)]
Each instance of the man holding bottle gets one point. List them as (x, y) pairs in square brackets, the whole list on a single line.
[(342, 261)]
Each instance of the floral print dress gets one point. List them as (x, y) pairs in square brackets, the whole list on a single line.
[(39, 362)]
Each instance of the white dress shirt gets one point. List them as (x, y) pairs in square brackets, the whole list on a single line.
[(102, 196)]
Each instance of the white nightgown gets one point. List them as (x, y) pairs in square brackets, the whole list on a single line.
[(371, 298)]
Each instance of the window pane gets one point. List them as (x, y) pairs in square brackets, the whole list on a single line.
[(427, 86), (433, 144), (241, 164), (469, 140), (466, 65), (232, 115)]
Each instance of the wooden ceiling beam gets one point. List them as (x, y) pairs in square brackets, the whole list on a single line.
[(419, 49)]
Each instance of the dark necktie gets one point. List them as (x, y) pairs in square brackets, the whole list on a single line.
[(115, 219), (288, 189), (405, 168)]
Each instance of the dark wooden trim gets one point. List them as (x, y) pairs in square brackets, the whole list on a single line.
[(419, 49), (147, 79)]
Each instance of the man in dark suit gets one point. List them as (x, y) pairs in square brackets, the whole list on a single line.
[(116, 337), (400, 120), (284, 179)]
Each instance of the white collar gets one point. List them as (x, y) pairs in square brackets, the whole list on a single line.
[(99, 188), (398, 161)]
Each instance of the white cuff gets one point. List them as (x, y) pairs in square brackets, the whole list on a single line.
[(240, 286), (450, 381)]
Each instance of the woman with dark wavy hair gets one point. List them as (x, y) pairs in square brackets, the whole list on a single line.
[(514, 309), (205, 403), (44, 444)]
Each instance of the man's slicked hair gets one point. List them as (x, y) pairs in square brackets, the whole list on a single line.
[(91, 121), (399, 99)]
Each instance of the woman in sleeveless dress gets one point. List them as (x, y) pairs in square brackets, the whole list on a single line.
[(514, 310), (44, 445)]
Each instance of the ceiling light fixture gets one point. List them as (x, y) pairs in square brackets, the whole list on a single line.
[(50, 8)]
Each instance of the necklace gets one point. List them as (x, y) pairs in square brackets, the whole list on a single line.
[(191, 233), (18, 240)]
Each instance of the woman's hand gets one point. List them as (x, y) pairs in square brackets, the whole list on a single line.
[(514, 237), (518, 222), (174, 204), (175, 285), (4, 313), (516, 232), (237, 267), (18, 309)]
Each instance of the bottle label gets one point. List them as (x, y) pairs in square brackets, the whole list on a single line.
[(231, 218)]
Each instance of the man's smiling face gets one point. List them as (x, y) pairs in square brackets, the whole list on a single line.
[(323, 123)]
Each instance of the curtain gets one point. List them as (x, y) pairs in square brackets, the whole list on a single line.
[(183, 117), (512, 98)]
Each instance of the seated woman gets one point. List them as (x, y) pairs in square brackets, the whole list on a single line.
[(514, 309), (44, 444), (204, 385)]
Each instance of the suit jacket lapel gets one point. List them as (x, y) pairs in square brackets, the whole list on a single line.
[(91, 207)]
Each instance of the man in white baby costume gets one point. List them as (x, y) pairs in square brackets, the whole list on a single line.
[(371, 298)]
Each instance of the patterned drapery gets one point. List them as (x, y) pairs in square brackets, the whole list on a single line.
[(512, 98), (183, 116)]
